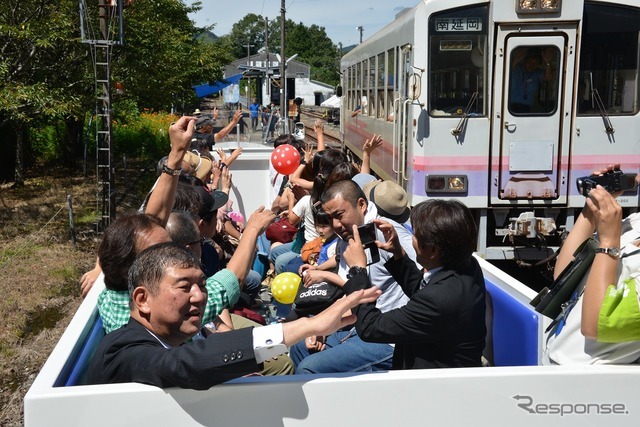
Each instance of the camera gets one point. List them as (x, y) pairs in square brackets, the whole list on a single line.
[(613, 182), (367, 234)]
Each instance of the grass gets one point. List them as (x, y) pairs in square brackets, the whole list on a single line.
[(41, 269)]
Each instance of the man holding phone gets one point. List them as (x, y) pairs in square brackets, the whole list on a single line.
[(344, 351)]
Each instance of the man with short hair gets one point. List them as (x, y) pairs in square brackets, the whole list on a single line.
[(344, 351), (168, 296), (254, 110), (183, 231)]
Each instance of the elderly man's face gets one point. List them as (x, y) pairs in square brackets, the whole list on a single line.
[(344, 216), (175, 313)]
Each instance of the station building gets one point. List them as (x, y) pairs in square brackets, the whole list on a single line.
[(266, 70)]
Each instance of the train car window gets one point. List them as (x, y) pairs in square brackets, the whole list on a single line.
[(458, 61), (358, 86), (391, 82), (609, 61), (533, 80), (380, 89), (371, 87), (349, 86)]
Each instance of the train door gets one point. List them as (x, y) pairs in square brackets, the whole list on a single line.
[(534, 74), (402, 106)]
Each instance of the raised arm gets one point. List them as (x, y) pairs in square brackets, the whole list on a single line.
[(232, 123), (242, 259), (318, 128), (367, 149), (163, 196), (607, 216)]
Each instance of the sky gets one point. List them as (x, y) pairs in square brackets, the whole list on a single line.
[(340, 18)]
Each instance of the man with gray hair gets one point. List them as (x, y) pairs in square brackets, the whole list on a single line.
[(168, 296)]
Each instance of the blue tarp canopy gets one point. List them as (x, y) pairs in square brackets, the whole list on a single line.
[(207, 89)]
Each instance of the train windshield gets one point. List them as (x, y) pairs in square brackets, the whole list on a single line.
[(533, 82), (458, 62), (609, 61)]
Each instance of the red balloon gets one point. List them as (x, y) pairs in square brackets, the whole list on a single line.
[(285, 159)]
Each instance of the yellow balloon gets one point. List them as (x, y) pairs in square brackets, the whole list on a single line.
[(284, 287)]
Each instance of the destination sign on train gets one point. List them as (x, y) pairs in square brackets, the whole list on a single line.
[(458, 24)]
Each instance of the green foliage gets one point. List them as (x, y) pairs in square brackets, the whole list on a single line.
[(143, 135), (314, 47), (47, 79), (250, 30), (163, 57), (40, 70), (312, 44), (46, 140)]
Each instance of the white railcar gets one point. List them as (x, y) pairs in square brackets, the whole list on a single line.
[(501, 104)]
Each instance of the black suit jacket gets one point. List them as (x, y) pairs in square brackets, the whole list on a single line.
[(132, 354), (442, 325)]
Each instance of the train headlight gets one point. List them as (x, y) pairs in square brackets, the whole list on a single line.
[(446, 183), (538, 6)]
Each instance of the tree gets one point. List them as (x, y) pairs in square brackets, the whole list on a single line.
[(248, 31), (312, 44), (46, 73), (314, 47), (34, 82), (162, 57)]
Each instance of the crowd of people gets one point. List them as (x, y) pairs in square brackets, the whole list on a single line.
[(183, 274)]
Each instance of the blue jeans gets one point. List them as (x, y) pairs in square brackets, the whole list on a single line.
[(279, 250), (252, 283), (345, 352), (294, 265), (283, 259)]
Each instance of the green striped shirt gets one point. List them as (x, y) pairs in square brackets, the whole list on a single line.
[(223, 290)]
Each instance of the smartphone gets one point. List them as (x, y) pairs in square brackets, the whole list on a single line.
[(368, 235)]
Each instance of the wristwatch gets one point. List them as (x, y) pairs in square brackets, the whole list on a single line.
[(613, 252), (173, 172), (355, 270)]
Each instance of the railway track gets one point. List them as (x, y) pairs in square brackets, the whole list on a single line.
[(332, 135)]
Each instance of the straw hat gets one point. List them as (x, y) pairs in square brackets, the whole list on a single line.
[(390, 199)]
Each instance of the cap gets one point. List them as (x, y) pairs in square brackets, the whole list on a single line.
[(204, 120), (211, 201), (363, 179), (390, 199)]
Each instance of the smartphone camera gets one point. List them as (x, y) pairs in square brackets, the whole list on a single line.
[(613, 182), (367, 234)]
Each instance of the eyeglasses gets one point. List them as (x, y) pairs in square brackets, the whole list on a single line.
[(196, 242)]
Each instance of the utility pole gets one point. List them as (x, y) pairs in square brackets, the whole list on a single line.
[(361, 29), (283, 78), (248, 46), (266, 48)]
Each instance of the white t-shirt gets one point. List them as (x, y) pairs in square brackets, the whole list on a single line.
[(304, 211), (275, 179), (392, 294), (570, 347)]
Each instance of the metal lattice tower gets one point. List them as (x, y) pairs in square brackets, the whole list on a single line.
[(101, 28)]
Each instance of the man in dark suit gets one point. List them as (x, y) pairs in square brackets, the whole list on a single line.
[(168, 297), (443, 324)]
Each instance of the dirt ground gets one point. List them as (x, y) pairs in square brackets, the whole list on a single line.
[(40, 270)]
